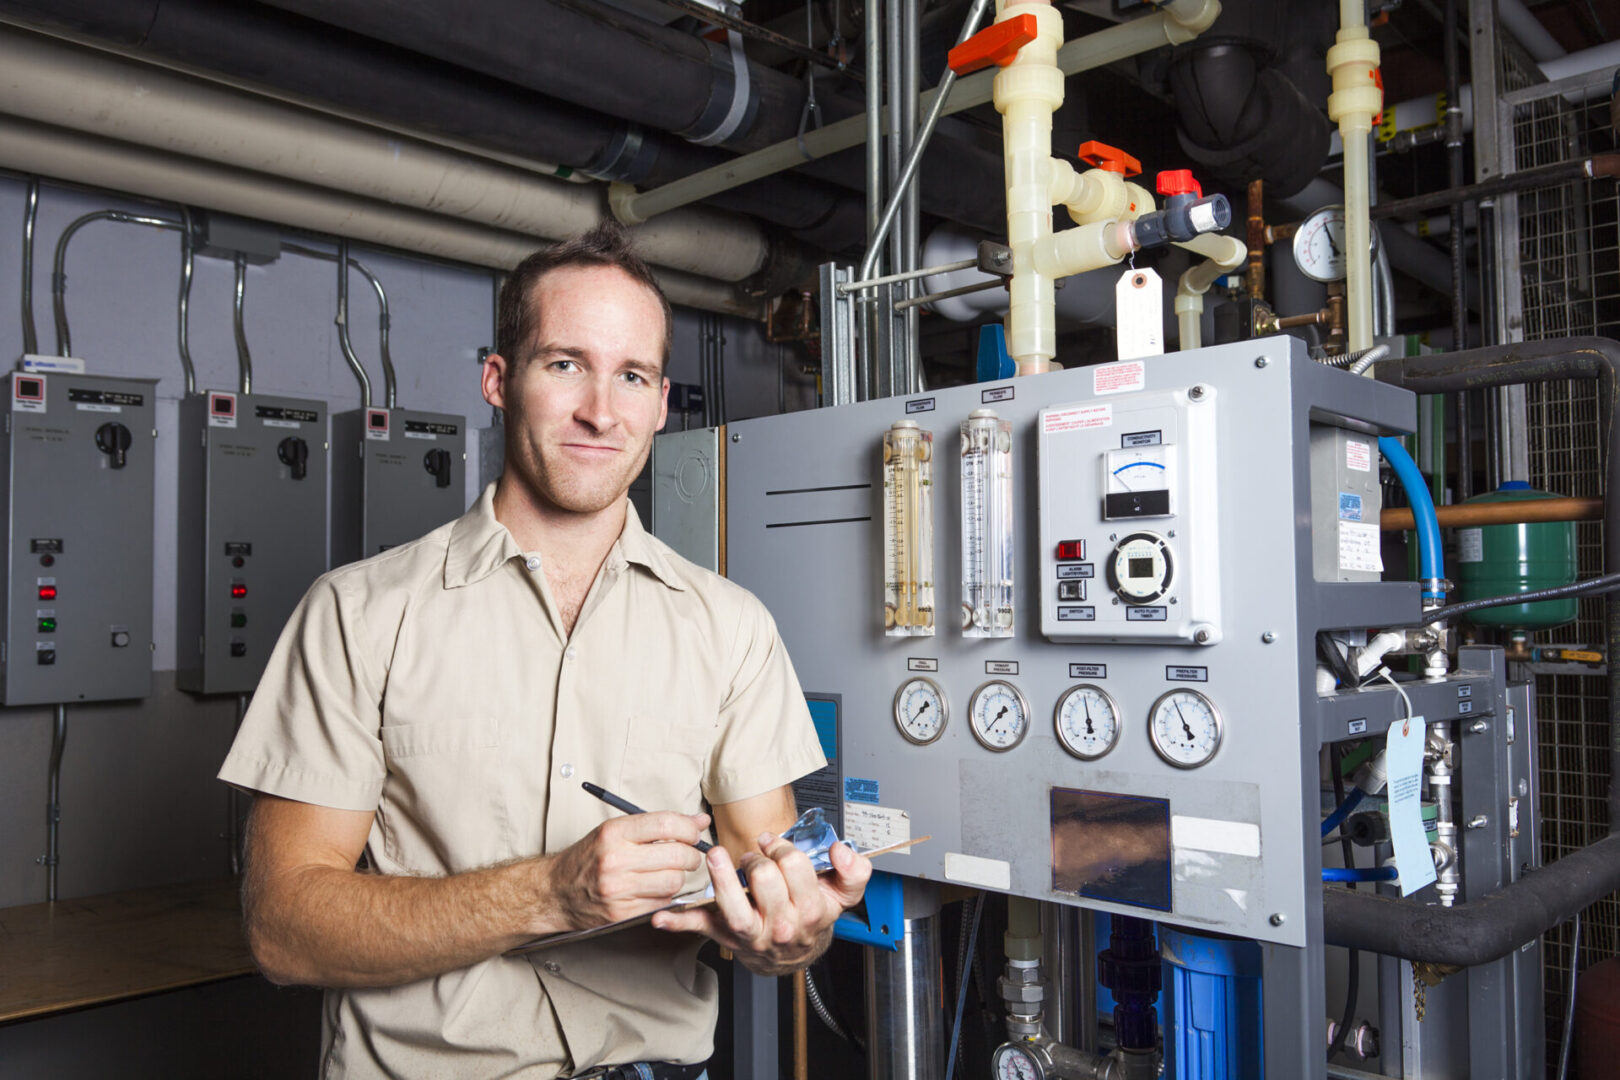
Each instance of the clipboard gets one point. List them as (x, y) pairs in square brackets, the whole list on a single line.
[(680, 903)]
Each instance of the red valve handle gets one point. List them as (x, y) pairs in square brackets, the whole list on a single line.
[(998, 44), (1179, 182), (1108, 158)]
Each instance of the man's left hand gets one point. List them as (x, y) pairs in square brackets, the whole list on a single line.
[(785, 918)]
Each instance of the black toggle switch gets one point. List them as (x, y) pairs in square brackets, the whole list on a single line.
[(294, 453), (113, 440), (45, 657), (437, 462)]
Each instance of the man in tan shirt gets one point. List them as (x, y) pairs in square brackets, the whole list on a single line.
[(434, 710)]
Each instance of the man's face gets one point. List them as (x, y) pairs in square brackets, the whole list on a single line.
[(583, 408)]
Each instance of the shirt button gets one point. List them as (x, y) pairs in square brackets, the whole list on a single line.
[(554, 967), (532, 562), (567, 770), (570, 653)]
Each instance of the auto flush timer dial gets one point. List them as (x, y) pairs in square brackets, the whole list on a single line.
[(921, 710), (1087, 722), (998, 715), (1185, 728), (1140, 568)]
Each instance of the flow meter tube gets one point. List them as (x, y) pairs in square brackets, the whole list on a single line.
[(908, 531), (987, 526)]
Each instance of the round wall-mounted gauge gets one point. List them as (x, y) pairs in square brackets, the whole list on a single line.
[(1140, 568), (1185, 728), (921, 710), (1087, 721), (998, 715), (1011, 1062), (1319, 245)]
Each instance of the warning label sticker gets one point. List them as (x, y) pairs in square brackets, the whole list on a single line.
[(1118, 378), (1358, 455), (1079, 418), (28, 393)]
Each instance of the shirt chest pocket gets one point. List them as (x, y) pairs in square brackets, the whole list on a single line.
[(445, 806), (667, 758)]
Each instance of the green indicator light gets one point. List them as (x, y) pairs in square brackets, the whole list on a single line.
[(238, 619), (47, 626)]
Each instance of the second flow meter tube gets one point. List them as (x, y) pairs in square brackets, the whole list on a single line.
[(908, 531), (987, 526)]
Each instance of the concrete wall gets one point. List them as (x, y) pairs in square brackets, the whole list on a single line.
[(140, 804)]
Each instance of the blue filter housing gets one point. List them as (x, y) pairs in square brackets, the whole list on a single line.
[(1214, 1026)]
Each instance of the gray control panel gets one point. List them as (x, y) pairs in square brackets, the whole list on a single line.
[(1124, 764), (252, 530), (78, 465), (397, 474)]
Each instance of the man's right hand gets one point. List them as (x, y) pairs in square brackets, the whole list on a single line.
[(624, 867)]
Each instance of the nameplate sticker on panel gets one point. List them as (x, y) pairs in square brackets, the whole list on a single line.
[(871, 827), (976, 870)]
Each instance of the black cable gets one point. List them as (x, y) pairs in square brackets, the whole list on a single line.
[(1328, 650), (1352, 983), (1592, 586)]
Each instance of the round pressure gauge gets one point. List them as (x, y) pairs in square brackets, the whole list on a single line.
[(998, 715), (1013, 1062), (1185, 728), (1087, 722), (920, 710), (1140, 568), (1319, 245)]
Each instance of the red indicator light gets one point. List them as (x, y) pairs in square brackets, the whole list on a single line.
[(1071, 550), (238, 591), (47, 592)]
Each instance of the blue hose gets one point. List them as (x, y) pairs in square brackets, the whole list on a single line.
[(1351, 801), (1431, 560), (1373, 873)]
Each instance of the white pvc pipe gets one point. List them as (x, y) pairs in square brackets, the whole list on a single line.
[(1354, 101), (1529, 32), (1222, 254), (97, 93), (28, 147)]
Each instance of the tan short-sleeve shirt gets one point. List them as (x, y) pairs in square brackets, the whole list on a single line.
[(433, 685)]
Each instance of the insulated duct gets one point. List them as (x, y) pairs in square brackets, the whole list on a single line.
[(34, 148)]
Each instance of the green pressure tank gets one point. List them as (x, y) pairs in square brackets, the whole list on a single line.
[(1499, 560)]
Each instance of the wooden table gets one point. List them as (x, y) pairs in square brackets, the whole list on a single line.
[(75, 953)]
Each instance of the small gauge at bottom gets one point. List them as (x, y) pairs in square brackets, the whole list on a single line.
[(920, 710), (1011, 1062), (1087, 722), (1185, 728), (998, 715)]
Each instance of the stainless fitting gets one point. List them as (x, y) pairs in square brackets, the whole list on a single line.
[(1021, 993)]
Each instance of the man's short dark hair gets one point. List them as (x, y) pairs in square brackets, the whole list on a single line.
[(518, 312)]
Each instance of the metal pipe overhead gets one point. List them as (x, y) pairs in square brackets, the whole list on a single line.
[(27, 147)]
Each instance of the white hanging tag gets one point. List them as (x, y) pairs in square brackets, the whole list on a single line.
[(1403, 756), (1139, 314)]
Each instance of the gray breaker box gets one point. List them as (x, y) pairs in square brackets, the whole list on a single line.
[(252, 531), (1231, 845), (397, 474), (78, 572)]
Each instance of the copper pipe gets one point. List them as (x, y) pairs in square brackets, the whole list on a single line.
[(1255, 278), (1524, 512), (801, 1032), (1313, 318)]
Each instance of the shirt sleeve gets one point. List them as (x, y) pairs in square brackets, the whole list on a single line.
[(766, 738), (312, 731)]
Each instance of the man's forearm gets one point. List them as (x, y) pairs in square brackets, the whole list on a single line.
[(321, 926)]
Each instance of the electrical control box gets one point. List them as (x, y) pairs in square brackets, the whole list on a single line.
[(253, 471), (78, 573), (1132, 764), (397, 474)]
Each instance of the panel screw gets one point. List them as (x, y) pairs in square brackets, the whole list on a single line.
[(1202, 637), (1278, 918), (1268, 637), (736, 436), (1479, 727), (1478, 821), (1261, 361), (1196, 393)]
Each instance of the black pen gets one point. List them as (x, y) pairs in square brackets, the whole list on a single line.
[(626, 806)]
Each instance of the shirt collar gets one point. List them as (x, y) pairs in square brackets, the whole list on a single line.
[(480, 545)]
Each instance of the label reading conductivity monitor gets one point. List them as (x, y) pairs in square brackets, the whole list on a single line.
[(1141, 438)]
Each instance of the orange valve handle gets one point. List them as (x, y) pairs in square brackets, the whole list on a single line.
[(998, 44), (1108, 158), (1179, 182)]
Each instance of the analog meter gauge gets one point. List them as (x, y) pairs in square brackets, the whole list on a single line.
[(920, 710), (998, 715), (1319, 245), (1185, 728), (1013, 1062), (1140, 568), (1087, 722)]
